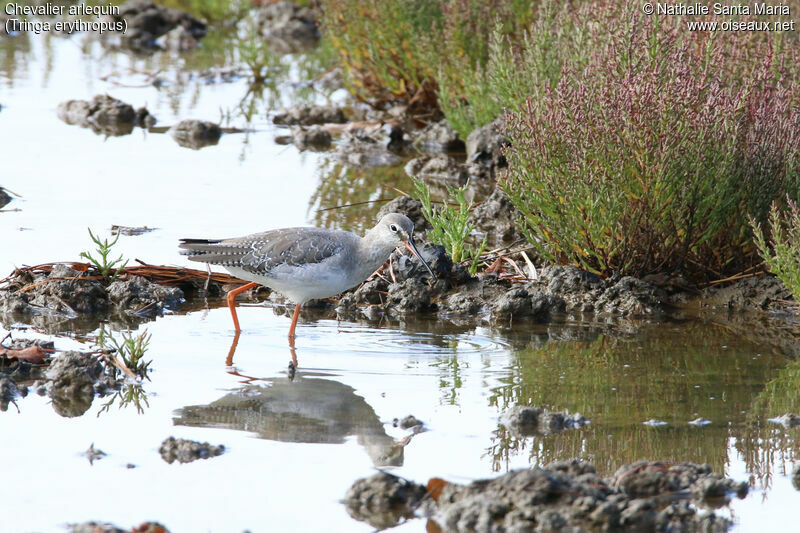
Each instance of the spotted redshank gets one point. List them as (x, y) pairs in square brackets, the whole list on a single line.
[(304, 263)]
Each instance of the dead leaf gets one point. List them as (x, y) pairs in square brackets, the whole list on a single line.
[(496, 266), (32, 354), (150, 527), (435, 486)]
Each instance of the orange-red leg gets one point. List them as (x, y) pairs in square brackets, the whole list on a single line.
[(295, 316), (232, 351), (293, 362), (232, 302)]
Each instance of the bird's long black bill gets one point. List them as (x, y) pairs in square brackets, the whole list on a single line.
[(413, 249)]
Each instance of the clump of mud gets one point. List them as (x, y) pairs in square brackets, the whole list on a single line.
[(408, 422), (195, 134), (152, 27), (408, 288), (61, 291), (287, 27), (496, 218), (5, 198), (764, 293), (616, 295), (315, 138), (105, 115), (67, 293), (9, 391), (367, 148), (788, 420), (441, 171), (646, 479), (486, 145), (438, 137), (22, 362), (309, 115), (186, 451), (142, 297), (94, 454), (105, 527), (524, 421), (565, 495), (74, 379), (70, 379), (383, 500), (493, 216)]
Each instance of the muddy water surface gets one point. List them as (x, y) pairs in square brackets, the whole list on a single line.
[(293, 447)]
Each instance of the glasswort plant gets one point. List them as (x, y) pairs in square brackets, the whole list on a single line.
[(784, 259), (451, 227), (130, 349), (102, 263)]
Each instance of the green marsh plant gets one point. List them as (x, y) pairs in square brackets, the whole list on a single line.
[(264, 64), (649, 159), (451, 227), (392, 50), (517, 61), (210, 10), (782, 253), (101, 261), (130, 394), (130, 349)]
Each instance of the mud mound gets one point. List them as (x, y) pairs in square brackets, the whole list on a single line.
[(588, 293), (141, 297), (9, 391), (497, 218), (524, 421), (309, 115), (383, 500), (24, 360), (5, 198), (147, 22), (485, 144), (105, 115), (287, 27), (566, 495), (441, 171), (408, 288), (761, 292), (314, 138), (195, 134), (69, 293), (73, 378), (438, 137), (186, 451)]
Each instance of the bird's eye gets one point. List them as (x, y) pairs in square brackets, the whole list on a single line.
[(393, 228)]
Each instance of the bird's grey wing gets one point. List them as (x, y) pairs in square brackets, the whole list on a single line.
[(292, 247), (261, 252)]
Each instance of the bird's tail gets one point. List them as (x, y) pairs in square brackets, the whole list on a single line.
[(215, 252), (192, 247)]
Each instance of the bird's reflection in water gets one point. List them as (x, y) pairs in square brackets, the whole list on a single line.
[(235, 343), (307, 409)]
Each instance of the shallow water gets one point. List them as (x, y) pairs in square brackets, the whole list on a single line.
[(293, 447)]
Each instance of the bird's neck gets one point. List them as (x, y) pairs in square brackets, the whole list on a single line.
[(372, 252)]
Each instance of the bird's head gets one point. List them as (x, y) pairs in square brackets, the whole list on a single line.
[(398, 230)]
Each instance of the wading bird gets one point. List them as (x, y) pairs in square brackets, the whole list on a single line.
[(304, 263)]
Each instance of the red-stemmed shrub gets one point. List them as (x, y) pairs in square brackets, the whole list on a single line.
[(651, 158)]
